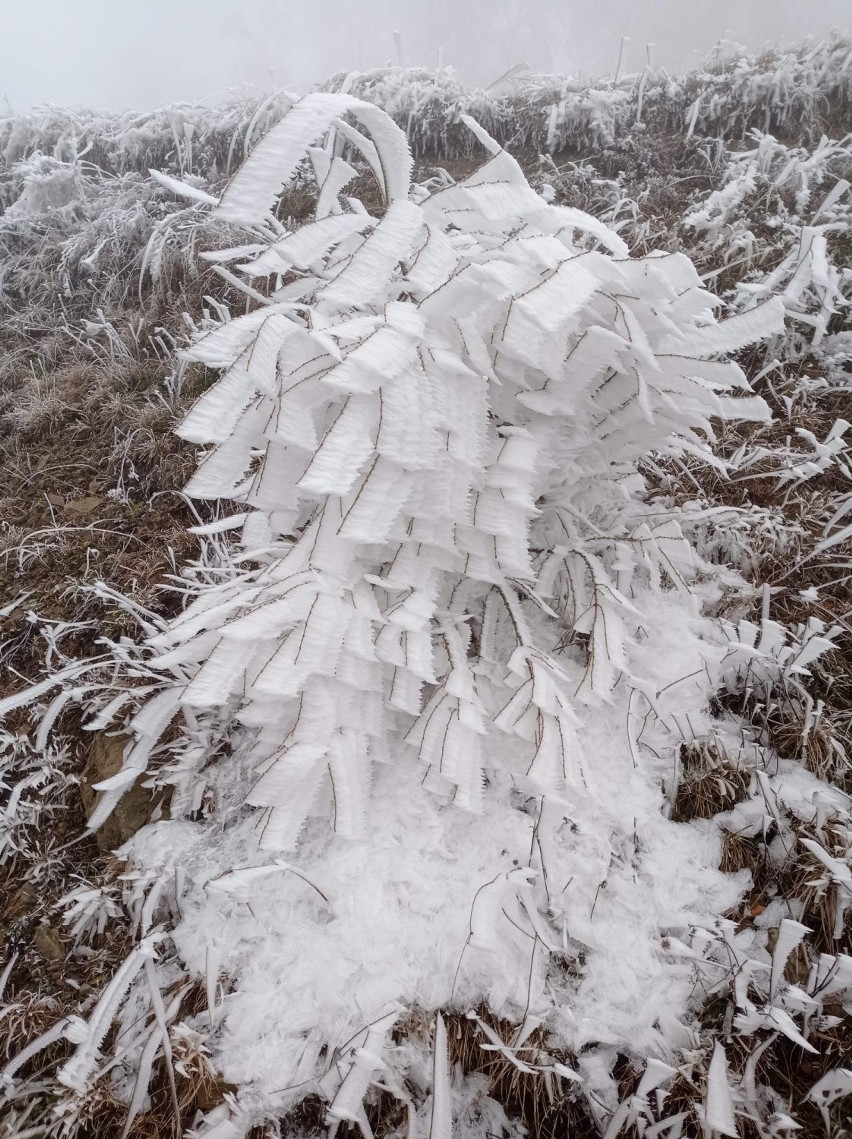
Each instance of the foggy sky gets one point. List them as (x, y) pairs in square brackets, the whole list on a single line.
[(120, 54)]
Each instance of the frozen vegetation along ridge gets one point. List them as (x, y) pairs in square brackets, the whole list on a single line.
[(469, 728), (804, 92)]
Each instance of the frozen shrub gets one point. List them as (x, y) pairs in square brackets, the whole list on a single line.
[(431, 418)]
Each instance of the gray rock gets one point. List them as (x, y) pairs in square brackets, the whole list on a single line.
[(135, 807)]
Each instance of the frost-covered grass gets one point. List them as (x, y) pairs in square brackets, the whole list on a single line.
[(797, 93), (644, 928)]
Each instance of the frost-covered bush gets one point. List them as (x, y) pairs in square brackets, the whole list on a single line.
[(448, 594), (431, 418)]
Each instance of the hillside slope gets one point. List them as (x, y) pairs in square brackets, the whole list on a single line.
[(745, 167)]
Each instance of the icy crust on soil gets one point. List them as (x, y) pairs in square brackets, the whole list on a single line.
[(442, 908)]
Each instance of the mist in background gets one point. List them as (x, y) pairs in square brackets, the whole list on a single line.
[(120, 54)]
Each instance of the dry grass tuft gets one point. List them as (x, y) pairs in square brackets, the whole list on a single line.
[(710, 781), (814, 741), (548, 1108), (742, 852)]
